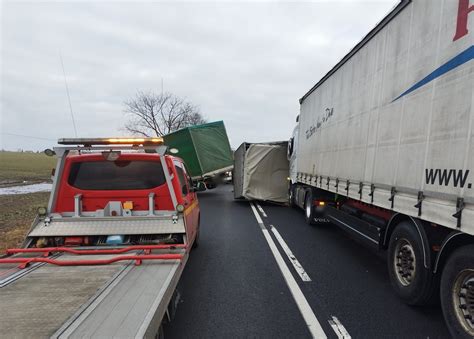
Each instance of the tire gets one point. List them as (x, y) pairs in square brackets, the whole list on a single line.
[(198, 232), (291, 197), (309, 209), (172, 307), (412, 281), (161, 333), (211, 186), (458, 278)]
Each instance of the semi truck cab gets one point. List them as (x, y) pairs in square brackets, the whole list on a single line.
[(292, 151)]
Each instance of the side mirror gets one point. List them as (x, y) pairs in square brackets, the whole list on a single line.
[(49, 152), (199, 186)]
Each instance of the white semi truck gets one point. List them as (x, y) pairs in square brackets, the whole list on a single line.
[(384, 148)]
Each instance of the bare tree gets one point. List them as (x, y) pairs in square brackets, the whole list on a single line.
[(159, 114)]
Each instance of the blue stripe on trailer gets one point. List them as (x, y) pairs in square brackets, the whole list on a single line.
[(455, 62)]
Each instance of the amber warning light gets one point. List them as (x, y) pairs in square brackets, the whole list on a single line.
[(110, 141)]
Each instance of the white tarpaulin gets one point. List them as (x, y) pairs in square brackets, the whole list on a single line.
[(391, 125), (266, 171)]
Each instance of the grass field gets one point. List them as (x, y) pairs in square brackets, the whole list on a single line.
[(16, 167)]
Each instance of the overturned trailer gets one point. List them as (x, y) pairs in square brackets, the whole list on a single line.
[(205, 149), (261, 171)]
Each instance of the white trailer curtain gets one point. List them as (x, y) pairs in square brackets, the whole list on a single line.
[(266, 171)]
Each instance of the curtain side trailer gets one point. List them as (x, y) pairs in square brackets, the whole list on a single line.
[(261, 171), (383, 148)]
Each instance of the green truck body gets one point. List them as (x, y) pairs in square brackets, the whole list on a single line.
[(204, 148)]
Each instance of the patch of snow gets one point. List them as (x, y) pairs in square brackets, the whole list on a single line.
[(42, 187)]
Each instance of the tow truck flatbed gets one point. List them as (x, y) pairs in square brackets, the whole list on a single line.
[(117, 300)]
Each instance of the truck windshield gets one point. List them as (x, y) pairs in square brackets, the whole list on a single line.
[(116, 175)]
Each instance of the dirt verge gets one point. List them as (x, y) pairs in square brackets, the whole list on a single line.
[(16, 215)]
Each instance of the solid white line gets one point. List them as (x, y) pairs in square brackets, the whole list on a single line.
[(340, 330), (308, 315), (261, 210), (296, 264)]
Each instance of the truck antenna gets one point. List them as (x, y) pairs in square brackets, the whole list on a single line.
[(68, 96)]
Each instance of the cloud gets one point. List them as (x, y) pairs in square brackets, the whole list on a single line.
[(245, 63)]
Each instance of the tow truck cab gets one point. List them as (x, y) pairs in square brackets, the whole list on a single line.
[(119, 184)]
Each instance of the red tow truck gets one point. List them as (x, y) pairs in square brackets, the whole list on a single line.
[(104, 258)]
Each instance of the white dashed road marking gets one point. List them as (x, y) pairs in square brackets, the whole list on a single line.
[(340, 330), (261, 210), (308, 315), (296, 264)]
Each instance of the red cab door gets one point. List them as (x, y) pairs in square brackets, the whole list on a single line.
[(189, 201)]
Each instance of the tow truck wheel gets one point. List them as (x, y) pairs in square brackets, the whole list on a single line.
[(457, 292), (198, 231), (309, 209), (161, 332), (412, 281)]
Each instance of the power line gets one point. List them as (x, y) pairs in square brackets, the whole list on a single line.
[(27, 136), (68, 96)]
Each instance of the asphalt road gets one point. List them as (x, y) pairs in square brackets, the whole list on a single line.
[(233, 287)]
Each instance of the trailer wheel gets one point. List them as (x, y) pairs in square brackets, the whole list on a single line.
[(412, 281), (457, 292), (309, 209)]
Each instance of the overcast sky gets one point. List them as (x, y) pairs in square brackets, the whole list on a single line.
[(244, 63)]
